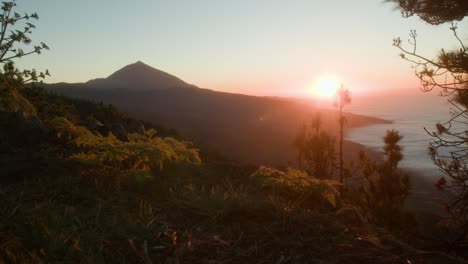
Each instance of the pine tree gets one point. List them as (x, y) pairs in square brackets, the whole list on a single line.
[(387, 186), (343, 97), (316, 150), (448, 74)]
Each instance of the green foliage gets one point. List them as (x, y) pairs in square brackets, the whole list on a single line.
[(68, 127), (12, 38), (387, 187), (316, 150), (50, 106), (75, 215), (70, 220), (297, 187), (145, 198), (447, 72), (144, 154), (12, 101), (434, 12), (87, 113), (392, 149), (76, 136)]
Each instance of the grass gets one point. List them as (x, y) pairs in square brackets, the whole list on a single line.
[(75, 219), (144, 198)]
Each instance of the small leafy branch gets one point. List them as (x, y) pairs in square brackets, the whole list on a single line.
[(12, 39), (448, 72)]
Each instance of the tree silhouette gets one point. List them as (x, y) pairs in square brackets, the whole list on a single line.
[(434, 12), (387, 186), (343, 97), (316, 150), (448, 73), (13, 38), (299, 143)]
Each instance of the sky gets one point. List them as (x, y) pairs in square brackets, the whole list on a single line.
[(261, 47)]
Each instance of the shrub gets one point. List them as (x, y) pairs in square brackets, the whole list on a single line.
[(145, 155), (387, 186), (297, 187)]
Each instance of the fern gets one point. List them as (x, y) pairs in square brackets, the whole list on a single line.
[(296, 186)]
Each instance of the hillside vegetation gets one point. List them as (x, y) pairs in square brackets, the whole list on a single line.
[(251, 129), (82, 182), (88, 184)]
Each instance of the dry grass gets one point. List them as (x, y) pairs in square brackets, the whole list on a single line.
[(73, 219)]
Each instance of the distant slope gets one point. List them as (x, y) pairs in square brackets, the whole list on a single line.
[(246, 128)]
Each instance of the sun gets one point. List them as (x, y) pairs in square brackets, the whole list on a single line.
[(326, 86)]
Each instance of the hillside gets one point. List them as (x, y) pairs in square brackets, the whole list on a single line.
[(84, 183), (144, 167), (250, 129)]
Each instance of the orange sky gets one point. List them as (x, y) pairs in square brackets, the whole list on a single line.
[(264, 47)]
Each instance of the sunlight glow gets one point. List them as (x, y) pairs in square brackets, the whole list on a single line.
[(325, 87)]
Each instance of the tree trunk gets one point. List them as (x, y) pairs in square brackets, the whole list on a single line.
[(341, 144)]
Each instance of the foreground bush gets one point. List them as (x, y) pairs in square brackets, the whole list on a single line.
[(297, 187)]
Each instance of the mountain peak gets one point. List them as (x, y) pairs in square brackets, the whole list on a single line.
[(140, 63), (142, 76)]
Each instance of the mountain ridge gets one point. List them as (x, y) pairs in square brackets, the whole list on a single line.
[(247, 128)]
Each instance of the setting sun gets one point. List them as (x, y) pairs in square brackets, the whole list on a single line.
[(325, 87), (283, 131)]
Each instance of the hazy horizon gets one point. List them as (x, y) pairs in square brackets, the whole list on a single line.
[(220, 131), (305, 95), (266, 48)]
